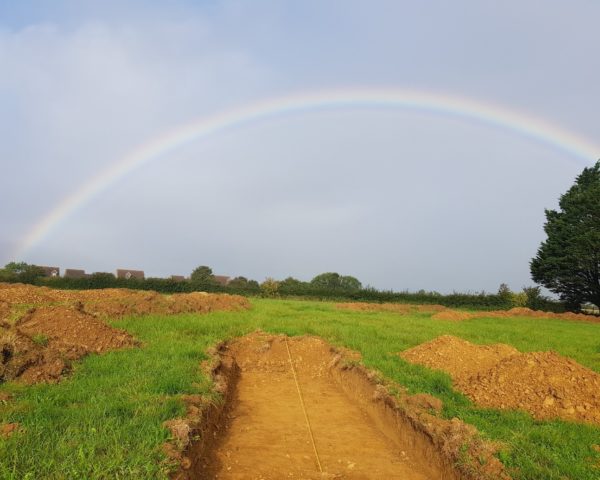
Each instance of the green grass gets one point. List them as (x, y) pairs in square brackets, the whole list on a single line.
[(105, 420), (40, 339)]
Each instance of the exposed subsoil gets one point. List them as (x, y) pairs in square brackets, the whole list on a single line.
[(118, 302), (545, 384), (440, 312), (401, 308), (452, 315), (527, 312), (41, 345), (43, 330), (360, 431)]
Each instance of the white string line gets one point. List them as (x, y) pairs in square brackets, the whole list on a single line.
[(312, 438)]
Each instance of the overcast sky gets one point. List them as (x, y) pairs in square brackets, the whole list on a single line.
[(400, 199)]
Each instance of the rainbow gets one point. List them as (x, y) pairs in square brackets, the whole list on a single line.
[(468, 109)]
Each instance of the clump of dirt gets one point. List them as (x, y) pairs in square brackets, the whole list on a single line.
[(7, 429), (545, 384), (280, 392), (401, 308), (452, 315)]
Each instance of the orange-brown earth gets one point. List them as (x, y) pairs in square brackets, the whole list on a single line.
[(452, 315), (440, 312), (401, 308), (545, 384), (43, 330), (359, 430), (527, 312)]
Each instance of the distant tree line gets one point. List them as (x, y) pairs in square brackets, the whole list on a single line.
[(325, 286)]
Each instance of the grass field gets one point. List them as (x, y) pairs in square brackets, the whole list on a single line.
[(105, 420)]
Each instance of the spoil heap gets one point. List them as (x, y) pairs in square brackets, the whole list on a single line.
[(43, 330), (545, 384), (401, 308)]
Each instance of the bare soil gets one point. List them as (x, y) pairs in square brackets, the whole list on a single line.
[(43, 330), (440, 312), (545, 384), (118, 302), (359, 430), (401, 308), (452, 315), (527, 312), (41, 346)]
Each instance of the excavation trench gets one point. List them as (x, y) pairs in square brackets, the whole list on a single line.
[(297, 408)]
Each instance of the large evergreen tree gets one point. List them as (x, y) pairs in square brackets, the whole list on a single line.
[(568, 262)]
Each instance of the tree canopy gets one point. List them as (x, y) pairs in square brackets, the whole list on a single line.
[(203, 276), (335, 281), (20, 271), (568, 261)]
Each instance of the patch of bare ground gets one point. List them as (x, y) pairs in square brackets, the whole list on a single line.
[(431, 308), (43, 330), (313, 412), (119, 302), (42, 345), (452, 315), (545, 384), (527, 312), (401, 308), (440, 312)]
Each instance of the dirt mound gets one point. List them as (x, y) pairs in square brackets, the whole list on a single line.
[(71, 329), (18, 293), (46, 340), (297, 408), (434, 308), (461, 359), (545, 384), (401, 308), (452, 315), (439, 312), (527, 312), (51, 328), (204, 302), (119, 302)]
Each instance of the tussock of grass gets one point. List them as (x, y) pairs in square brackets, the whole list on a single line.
[(40, 339), (105, 420)]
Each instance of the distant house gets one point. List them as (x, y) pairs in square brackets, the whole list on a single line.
[(50, 271), (74, 273), (129, 274), (177, 278), (222, 280)]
